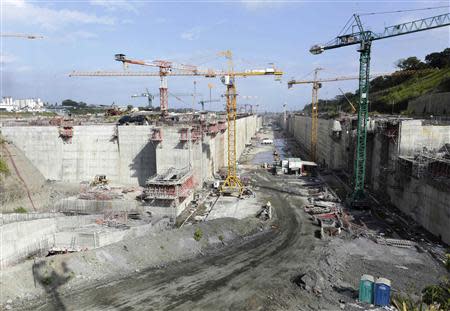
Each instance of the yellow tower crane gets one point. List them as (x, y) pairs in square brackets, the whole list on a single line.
[(232, 183), (317, 84)]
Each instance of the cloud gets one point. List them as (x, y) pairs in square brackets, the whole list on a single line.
[(22, 12), (259, 4), (192, 34), (79, 35), (6, 58), (113, 5), (24, 69)]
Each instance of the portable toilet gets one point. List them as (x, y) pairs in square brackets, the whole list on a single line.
[(366, 288), (382, 292)]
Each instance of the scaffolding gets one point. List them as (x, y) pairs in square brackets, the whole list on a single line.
[(170, 188), (213, 128), (156, 135), (66, 130)]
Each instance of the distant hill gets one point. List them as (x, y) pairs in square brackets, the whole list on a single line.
[(390, 94)]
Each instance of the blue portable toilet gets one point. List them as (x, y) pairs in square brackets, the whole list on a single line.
[(366, 288), (382, 292)]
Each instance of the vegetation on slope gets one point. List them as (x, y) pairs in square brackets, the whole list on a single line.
[(390, 94), (4, 170)]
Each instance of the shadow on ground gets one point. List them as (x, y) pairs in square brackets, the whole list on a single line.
[(51, 280)]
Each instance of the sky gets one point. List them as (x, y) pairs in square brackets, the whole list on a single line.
[(85, 35)]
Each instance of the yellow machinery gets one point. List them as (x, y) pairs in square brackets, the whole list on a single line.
[(99, 180), (315, 115), (317, 84), (232, 182)]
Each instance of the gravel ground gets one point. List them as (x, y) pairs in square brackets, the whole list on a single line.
[(280, 266)]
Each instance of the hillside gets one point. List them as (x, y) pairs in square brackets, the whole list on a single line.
[(391, 94)]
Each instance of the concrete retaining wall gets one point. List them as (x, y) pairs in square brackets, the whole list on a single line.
[(126, 155), (427, 204), (437, 104), (331, 151), (21, 239), (416, 134)]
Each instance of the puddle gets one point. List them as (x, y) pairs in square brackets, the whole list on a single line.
[(267, 156), (263, 157)]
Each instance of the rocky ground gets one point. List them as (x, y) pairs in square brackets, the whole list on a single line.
[(234, 265)]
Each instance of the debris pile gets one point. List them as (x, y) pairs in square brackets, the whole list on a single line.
[(101, 193), (265, 213)]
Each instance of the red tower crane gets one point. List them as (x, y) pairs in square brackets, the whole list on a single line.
[(165, 69)]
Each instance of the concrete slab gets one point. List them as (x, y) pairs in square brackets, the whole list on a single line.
[(234, 208)]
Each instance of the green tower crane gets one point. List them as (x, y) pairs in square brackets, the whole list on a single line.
[(358, 35)]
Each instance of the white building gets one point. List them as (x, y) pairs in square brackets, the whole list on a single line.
[(20, 105)]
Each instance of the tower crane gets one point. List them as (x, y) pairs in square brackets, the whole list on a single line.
[(20, 35), (317, 84), (348, 100), (232, 182), (203, 102), (151, 97), (250, 106), (165, 68), (364, 39)]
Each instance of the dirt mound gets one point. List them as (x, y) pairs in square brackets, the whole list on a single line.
[(22, 186)]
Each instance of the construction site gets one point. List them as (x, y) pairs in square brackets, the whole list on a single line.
[(340, 204)]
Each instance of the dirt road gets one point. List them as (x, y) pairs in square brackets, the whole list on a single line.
[(247, 276)]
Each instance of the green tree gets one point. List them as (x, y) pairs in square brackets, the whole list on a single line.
[(438, 59), (410, 63), (69, 103)]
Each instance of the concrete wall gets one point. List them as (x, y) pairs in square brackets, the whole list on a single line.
[(331, 151), (437, 104), (128, 158), (425, 203), (20, 239), (416, 134), (23, 238)]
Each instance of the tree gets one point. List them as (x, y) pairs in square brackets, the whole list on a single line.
[(130, 107), (410, 63), (438, 59), (69, 103)]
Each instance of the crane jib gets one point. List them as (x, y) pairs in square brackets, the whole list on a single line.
[(429, 23)]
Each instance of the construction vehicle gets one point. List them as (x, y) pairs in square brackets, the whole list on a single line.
[(99, 180), (364, 39), (113, 110), (232, 182)]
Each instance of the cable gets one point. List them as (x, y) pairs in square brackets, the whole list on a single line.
[(344, 28), (401, 11)]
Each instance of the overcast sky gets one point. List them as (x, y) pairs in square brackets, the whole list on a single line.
[(85, 35)]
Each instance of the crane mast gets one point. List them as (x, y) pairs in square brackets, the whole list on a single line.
[(314, 115), (364, 38), (232, 182)]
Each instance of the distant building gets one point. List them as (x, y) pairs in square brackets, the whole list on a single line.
[(21, 105)]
